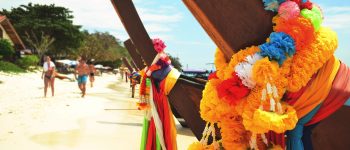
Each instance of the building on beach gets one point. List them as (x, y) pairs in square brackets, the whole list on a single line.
[(7, 31)]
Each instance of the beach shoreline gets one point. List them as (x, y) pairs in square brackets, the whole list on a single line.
[(107, 118)]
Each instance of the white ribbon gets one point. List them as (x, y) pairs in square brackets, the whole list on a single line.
[(157, 121)]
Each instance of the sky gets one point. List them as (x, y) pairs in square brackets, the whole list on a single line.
[(171, 21)]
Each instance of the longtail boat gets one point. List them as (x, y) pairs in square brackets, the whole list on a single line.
[(136, 57), (140, 62), (236, 24), (253, 27), (134, 65), (186, 94), (127, 64)]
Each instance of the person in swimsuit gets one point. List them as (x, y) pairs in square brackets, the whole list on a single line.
[(92, 73), (48, 75), (83, 71)]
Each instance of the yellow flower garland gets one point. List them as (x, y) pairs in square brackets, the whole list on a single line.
[(200, 146), (264, 68), (233, 133), (215, 110), (265, 121), (237, 58), (220, 63), (212, 108), (243, 125), (312, 58)]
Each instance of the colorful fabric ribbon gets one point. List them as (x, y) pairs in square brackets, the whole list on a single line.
[(348, 103), (328, 90), (310, 101), (339, 94), (165, 116), (171, 79), (294, 136), (319, 88), (292, 97), (333, 77), (159, 132)]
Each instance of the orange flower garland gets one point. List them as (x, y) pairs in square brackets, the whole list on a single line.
[(300, 29), (321, 49), (284, 71), (233, 133), (244, 121), (220, 64), (237, 58), (265, 121), (200, 146), (264, 68), (232, 90), (212, 108)]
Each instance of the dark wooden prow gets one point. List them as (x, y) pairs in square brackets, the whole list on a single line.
[(127, 64), (134, 54), (232, 24), (137, 32), (236, 24), (186, 94), (134, 65), (333, 132), (185, 98), (138, 58)]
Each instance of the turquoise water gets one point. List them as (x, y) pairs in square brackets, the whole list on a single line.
[(348, 102)]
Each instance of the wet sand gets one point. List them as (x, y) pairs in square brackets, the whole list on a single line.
[(106, 119)]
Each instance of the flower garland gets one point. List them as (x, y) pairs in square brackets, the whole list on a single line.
[(237, 58), (322, 49), (143, 103), (244, 96), (161, 59), (209, 130), (212, 108), (232, 90), (159, 129), (159, 46), (220, 63)]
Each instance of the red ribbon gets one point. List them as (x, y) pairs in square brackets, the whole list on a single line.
[(337, 97), (161, 102)]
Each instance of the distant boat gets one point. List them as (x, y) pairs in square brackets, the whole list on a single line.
[(67, 62), (98, 66), (196, 73)]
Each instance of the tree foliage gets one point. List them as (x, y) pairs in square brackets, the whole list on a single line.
[(49, 29), (6, 49), (175, 61), (10, 67), (28, 61), (41, 44), (51, 20), (101, 47)]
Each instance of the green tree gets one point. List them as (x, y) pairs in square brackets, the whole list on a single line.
[(10, 67), (6, 49), (175, 61), (51, 20), (41, 45), (27, 61), (102, 47)]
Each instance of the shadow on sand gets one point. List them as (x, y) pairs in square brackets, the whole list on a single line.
[(120, 123)]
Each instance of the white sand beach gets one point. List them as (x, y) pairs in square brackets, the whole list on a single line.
[(106, 119)]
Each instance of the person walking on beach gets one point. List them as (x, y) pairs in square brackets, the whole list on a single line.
[(48, 75), (92, 73), (121, 72), (83, 71)]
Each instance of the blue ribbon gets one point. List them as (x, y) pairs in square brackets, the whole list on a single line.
[(348, 102), (294, 136)]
